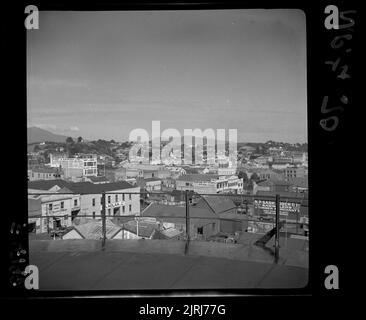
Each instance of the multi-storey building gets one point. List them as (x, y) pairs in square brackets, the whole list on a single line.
[(86, 197), (49, 212), (82, 165), (209, 183), (120, 202)]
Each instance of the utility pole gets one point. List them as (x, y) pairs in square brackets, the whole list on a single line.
[(137, 227), (277, 235), (187, 223), (103, 221)]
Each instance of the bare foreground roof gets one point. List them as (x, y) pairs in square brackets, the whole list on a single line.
[(161, 264)]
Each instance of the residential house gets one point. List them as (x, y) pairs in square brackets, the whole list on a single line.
[(44, 173), (45, 187), (203, 222), (227, 211)]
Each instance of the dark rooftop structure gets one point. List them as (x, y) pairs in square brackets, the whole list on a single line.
[(47, 184), (218, 204), (198, 177), (79, 187), (272, 194), (161, 211)]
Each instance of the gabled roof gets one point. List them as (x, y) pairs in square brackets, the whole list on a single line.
[(219, 204), (45, 170), (146, 229), (47, 184), (89, 187), (169, 211), (93, 229)]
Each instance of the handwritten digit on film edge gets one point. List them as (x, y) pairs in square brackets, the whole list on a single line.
[(324, 109), (324, 123)]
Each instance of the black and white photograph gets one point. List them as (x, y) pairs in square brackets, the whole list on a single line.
[(168, 149), (181, 159)]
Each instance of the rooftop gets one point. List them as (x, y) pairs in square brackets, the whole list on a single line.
[(162, 264), (146, 229), (161, 210), (47, 184), (79, 187), (93, 229), (98, 179), (274, 182), (198, 177), (284, 194), (219, 204), (45, 170)]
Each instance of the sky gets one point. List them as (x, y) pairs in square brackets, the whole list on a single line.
[(100, 75)]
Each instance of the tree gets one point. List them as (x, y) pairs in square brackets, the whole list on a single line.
[(254, 177), (80, 139), (243, 175), (69, 140)]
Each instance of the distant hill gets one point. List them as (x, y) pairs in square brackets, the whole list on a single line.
[(40, 135)]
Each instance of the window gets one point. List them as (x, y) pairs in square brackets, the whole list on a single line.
[(123, 197), (109, 212), (75, 202), (109, 199), (50, 206), (123, 209), (129, 197), (93, 202), (116, 197), (62, 204), (93, 214), (200, 230), (129, 208)]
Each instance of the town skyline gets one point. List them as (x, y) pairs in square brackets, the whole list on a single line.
[(77, 134)]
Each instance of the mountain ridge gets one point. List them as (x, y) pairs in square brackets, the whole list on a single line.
[(38, 135)]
